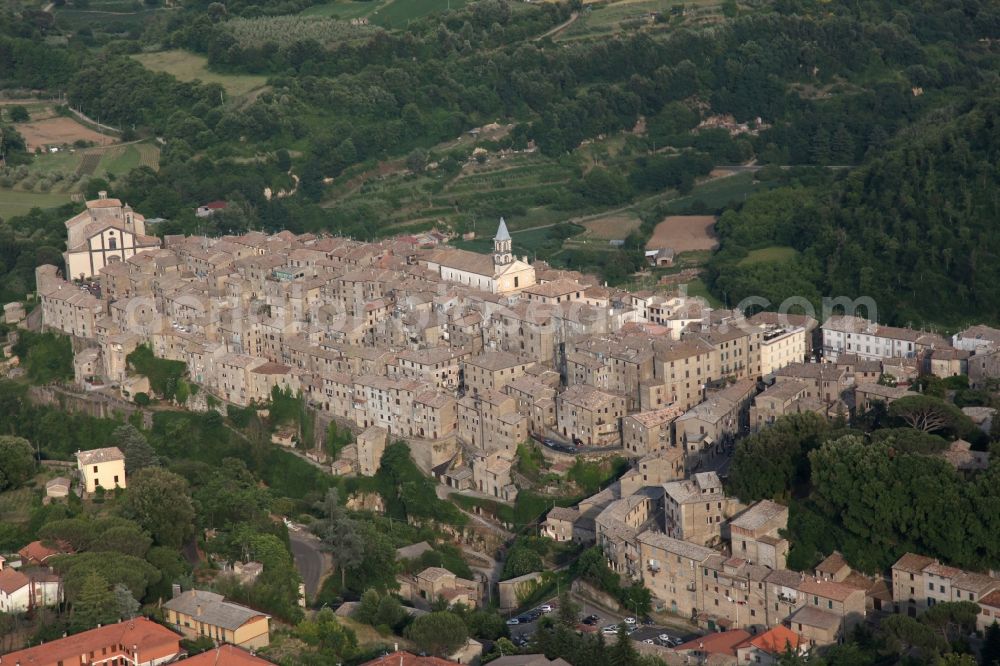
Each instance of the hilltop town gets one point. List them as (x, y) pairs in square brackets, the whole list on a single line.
[(479, 363)]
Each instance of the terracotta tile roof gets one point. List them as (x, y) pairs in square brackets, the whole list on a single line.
[(11, 581), (724, 642), (777, 640), (913, 563), (226, 655), (154, 642), (826, 589), (37, 552), (96, 456)]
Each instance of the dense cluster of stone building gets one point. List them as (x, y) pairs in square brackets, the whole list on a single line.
[(466, 356)]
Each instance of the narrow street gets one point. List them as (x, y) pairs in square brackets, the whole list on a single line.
[(313, 564)]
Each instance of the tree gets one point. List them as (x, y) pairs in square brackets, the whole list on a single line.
[(440, 633), (768, 463), (95, 604), (138, 453), (990, 653), (926, 413), (125, 603), (622, 653), (569, 611), (521, 560), (18, 114), (416, 161), (17, 462), (339, 535), (333, 641), (160, 502)]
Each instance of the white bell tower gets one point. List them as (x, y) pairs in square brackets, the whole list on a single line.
[(502, 255)]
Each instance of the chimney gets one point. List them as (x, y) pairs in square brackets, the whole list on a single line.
[(175, 591), (197, 611), (103, 194)]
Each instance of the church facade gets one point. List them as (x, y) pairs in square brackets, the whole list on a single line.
[(104, 233), (501, 273)]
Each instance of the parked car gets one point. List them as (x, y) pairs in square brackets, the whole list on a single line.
[(649, 641), (630, 620), (549, 442), (512, 621), (610, 630), (545, 608), (591, 619), (667, 639)]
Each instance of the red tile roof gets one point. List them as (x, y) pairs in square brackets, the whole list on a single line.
[(226, 655), (36, 552), (153, 641), (777, 640), (403, 658), (11, 581), (724, 642)]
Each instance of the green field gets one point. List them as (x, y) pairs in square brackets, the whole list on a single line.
[(111, 19), (525, 242), (606, 18), (774, 254), (386, 13), (15, 202), (186, 66), (698, 288), (716, 193), (15, 505)]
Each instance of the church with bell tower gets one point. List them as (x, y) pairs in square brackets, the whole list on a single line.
[(503, 273)]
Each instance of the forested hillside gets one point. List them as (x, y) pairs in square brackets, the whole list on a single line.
[(915, 228)]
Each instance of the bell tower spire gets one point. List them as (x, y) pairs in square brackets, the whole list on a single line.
[(502, 254)]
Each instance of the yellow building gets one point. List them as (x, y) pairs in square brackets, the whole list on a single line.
[(105, 233), (197, 613), (103, 468)]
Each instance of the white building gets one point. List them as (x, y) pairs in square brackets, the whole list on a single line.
[(845, 334), (105, 233), (20, 592), (500, 274)]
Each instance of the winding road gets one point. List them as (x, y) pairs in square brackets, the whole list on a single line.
[(313, 564)]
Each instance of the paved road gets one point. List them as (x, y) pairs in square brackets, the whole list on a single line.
[(606, 618), (313, 564)]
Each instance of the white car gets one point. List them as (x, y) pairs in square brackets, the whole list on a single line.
[(512, 621), (667, 639), (610, 630), (545, 608), (630, 620)]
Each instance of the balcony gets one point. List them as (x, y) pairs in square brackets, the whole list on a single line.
[(690, 587), (787, 598)]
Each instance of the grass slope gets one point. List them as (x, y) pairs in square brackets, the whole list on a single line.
[(774, 254), (186, 66), (15, 202)]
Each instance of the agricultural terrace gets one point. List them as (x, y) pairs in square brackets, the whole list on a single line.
[(611, 227), (602, 19), (283, 30), (186, 66), (47, 129), (52, 179), (384, 13), (684, 233)]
